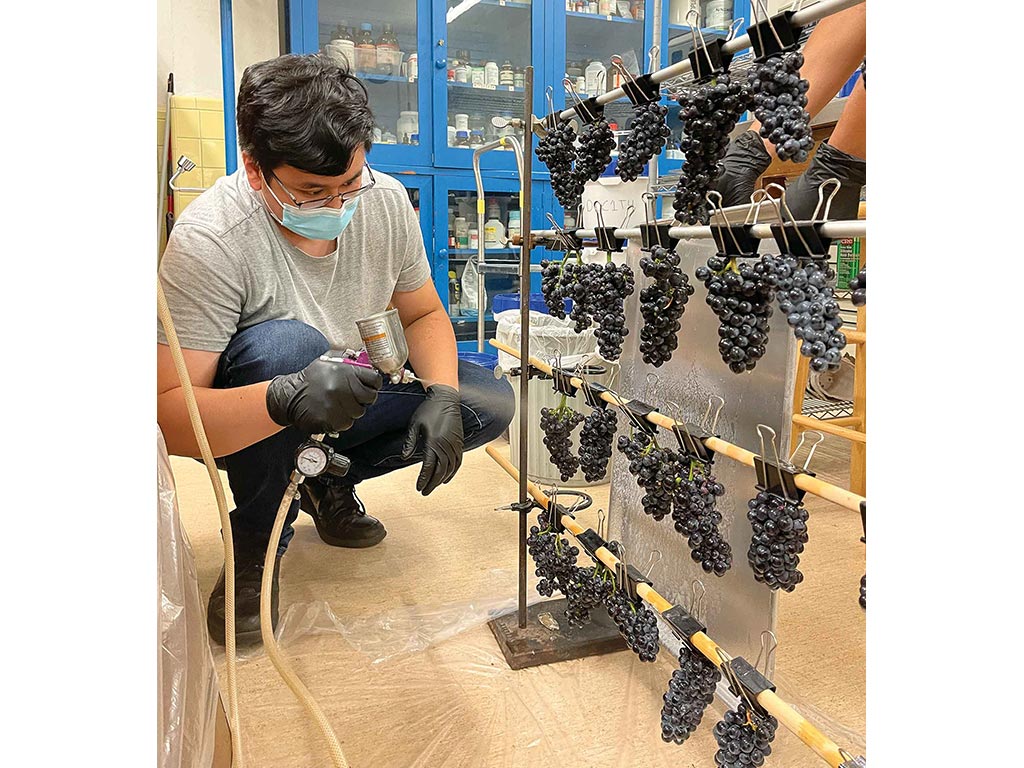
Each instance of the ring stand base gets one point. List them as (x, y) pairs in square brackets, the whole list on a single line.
[(536, 644)]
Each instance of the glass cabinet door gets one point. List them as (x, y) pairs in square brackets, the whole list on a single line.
[(482, 53), (380, 42)]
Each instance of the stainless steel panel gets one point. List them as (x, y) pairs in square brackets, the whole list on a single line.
[(736, 608)]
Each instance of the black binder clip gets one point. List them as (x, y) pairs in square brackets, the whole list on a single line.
[(651, 232), (685, 624), (732, 240), (629, 577), (587, 110), (779, 477), (706, 60), (563, 240), (864, 521), (555, 510), (591, 392), (745, 679), (803, 239), (772, 35), (849, 761), (639, 90), (562, 379), (606, 239), (691, 437), (592, 540)]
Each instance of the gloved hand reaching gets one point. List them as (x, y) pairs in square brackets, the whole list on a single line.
[(439, 421), (325, 396)]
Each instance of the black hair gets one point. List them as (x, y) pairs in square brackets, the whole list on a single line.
[(304, 111)]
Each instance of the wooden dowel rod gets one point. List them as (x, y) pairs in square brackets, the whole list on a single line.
[(844, 421), (778, 708), (825, 425), (855, 337), (835, 494)]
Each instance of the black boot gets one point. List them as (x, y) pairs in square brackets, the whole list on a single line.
[(827, 163), (744, 162), (248, 580), (340, 517)]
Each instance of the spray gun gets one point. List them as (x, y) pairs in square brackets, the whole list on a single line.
[(385, 350)]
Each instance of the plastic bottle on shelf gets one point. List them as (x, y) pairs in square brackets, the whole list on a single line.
[(478, 75), (388, 138), (454, 294), (366, 49), (491, 74), (389, 58), (451, 135), (493, 209), (461, 232), (474, 237), (574, 71), (592, 6), (717, 14), (476, 139), (342, 48), (415, 139), (408, 123), (477, 123), (462, 138), (636, 9), (507, 75), (605, 7), (494, 230), (596, 74), (463, 70), (519, 76), (515, 226)]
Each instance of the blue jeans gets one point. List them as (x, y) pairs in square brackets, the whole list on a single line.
[(259, 474)]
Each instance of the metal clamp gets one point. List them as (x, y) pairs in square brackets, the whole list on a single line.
[(750, 682), (864, 520), (683, 625), (562, 382), (773, 35), (641, 90), (691, 442), (651, 232), (591, 541), (607, 241), (592, 394), (629, 578), (706, 61), (807, 241), (779, 477), (636, 411)]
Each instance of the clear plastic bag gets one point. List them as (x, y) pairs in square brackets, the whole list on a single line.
[(187, 679), (549, 336)]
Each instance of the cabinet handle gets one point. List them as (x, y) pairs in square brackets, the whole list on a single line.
[(441, 63)]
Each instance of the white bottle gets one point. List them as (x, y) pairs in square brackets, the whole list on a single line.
[(491, 71), (597, 74), (478, 78), (515, 226), (474, 237)]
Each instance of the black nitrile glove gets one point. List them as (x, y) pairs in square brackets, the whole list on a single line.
[(439, 420), (325, 396), (745, 160)]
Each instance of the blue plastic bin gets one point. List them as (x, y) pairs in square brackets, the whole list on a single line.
[(505, 301), (483, 359)]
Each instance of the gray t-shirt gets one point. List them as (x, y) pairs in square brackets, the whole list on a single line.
[(227, 266)]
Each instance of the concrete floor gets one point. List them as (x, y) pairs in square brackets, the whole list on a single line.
[(392, 642)]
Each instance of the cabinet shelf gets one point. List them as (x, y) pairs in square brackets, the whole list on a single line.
[(459, 87), (373, 77), (709, 31), (599, 17)]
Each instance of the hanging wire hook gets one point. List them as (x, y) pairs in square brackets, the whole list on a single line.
[(803, 436), (764, 11), (766, 650), (571, 88), (652, 57), (601, 518), (710, 426), (626, 74), (599, 213), (735, 27), (775, 450), (651, 562), (821, 198), (734, 682), (560, 233), (650, 388), (694, 34), (625, 219), (697, 601), (549, 94), (755, 205)]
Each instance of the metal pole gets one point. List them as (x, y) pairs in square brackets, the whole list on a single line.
[(815, 12), (832, 229), (524, 341), (227, 64)]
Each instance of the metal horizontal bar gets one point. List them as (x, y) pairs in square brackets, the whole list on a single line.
[(832, 229)]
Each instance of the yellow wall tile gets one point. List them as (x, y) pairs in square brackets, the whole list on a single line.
[(213, 153), (183, 102), (211, 125), (210, 175), (207, 103), (193, 178), (192, 148), (181, 201), (185, 123)]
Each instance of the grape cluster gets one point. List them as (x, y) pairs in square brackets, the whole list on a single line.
[(779, 534), (636, 622), (586, 590), (596, 144), (596, 443), (552, 555), (744, 737), (647, 137), (806, 296), (863, 599), (779, 96), (859, 286), (551, 287), (694, 516), (741, 295), (654, 470), (557, 151), (662, 304), (598, 292), (709, 113), (558, 424), (690, 689)]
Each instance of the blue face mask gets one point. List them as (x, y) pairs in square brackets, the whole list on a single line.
[(318, 224)]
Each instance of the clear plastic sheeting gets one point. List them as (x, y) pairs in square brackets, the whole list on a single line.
[(549, 336), (188, 691)]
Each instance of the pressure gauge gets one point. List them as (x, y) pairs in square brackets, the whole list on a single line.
[(312, 459)]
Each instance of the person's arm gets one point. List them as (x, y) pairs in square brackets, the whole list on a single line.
[(428, 330), (233, 418)]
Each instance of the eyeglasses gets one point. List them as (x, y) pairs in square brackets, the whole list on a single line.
[(320, 202)]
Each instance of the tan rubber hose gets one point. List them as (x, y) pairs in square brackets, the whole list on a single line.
[(267, 630), (222, 507)]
